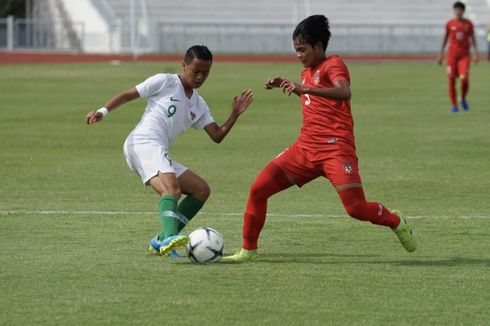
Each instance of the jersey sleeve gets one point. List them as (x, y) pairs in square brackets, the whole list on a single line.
[(203, 121), (336, 71), (152, 85), (205, 118)]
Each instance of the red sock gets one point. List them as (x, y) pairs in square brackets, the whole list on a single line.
[(465, 85), (270, 181), (452, 91), (357, 207)]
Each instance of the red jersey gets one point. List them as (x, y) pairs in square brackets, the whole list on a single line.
[(459, 37), (325, 121)]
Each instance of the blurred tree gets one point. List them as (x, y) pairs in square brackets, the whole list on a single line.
[(16, 8)]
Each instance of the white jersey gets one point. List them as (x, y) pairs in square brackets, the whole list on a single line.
[(169, 111)]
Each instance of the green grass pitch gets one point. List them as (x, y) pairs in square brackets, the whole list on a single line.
[(75, 222)]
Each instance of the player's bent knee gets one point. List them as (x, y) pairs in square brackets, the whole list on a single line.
[(258, 191), (202, 192), (176, 192), (271, 180)]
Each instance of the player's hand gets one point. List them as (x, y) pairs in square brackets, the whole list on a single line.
[(289, 86), (475, 58), (273, 82), (439, 60), (93, 117), (242, 101)]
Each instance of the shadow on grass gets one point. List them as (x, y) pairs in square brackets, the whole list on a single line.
[(354, 259), (332, 259), (447, 262)]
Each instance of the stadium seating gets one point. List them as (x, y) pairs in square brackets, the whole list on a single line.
[(241, 26), (264, 26), (287, 12)]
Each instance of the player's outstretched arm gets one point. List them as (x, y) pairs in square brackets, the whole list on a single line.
[(115, 102), (339, 91), (239, 105), (288, 86)]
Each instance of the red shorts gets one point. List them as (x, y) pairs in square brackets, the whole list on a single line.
[(338, 165), (458, 66)]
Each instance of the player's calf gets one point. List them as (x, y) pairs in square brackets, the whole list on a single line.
[(357, 207)]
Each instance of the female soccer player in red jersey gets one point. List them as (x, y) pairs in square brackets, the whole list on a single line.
[(325, 146), (461, 36)]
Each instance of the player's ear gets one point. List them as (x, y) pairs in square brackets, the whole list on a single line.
[(319, 47)]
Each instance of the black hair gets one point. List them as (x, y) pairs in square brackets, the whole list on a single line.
[(460, 5), (312, 30), (198, 51)]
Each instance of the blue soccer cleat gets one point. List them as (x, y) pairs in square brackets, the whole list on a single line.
[(175, 254), (156, 244), (465, 105), (454, 109), (168, 245)]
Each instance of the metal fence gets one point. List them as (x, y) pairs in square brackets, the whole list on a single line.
[(162, 37), (224, 38), (3, 33), (40, 34), (346, 38)]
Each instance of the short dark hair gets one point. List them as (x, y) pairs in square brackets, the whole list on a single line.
[(460, 5), (198, 51), (312, 30)]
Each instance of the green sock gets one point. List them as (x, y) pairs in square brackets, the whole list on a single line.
[(187, 209), (168, 219)]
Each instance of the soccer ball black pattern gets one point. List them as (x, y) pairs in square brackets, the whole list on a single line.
[(205, 246)]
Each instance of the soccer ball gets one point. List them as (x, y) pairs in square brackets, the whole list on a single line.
[(205, 246)]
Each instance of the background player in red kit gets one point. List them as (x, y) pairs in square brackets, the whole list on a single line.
[(461, 35), (325, 146)]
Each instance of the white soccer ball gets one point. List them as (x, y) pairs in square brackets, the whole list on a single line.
[(205, 246)]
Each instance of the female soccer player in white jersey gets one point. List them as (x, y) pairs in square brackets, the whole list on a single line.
[(173, 106)]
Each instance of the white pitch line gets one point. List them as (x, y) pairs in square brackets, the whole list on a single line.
[(119, 213)]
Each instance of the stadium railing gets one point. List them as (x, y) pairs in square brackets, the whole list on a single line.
[(276, 38), (166, 37), (38, 34)]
